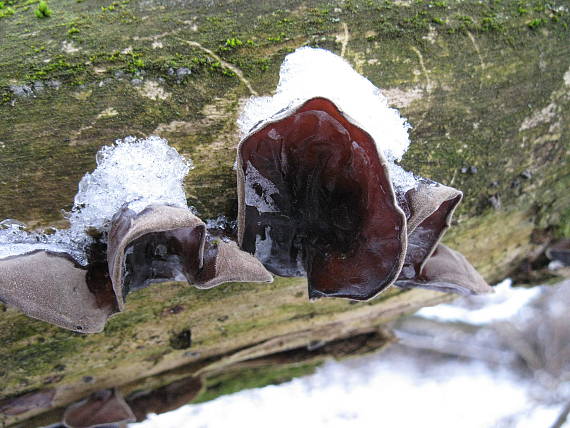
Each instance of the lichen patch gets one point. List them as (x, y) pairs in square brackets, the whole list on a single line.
[(175, 127), (567, 77), (543, 116), (107, 113), (402, 98), (69, 47), (153, 91)]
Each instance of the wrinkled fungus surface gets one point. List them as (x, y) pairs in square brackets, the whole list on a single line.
[(317, 200), (102, 408), (320, 193), (130, 226), (166, 243)]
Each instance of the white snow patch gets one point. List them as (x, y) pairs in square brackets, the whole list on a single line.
[(137, 172), (503, 304), (309, 73), (69, 47), (403, 180), (264, 201), (387, 389), (15, 241)]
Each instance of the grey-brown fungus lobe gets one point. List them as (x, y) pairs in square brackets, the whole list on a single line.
[(101, 408), (428, 208), (449, 271), (165, 398), (315, 198), (41, 399), (167, 243), (52, 287)]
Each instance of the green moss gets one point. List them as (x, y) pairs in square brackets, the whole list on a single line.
[(40, 355), (562, 229), (229, 383), (7, 11), (43, 11)]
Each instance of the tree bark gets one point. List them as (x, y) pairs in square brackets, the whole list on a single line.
[(486, 87)]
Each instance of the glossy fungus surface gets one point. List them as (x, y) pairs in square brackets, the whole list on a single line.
[(166, 243), (316, 199), (102, 408)]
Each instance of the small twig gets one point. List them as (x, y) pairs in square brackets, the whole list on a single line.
[(562, 417), (223, 63)]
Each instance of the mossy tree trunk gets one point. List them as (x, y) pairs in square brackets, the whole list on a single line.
[(486, 86)]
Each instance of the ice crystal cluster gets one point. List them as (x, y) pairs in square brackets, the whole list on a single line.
[(137, 172)]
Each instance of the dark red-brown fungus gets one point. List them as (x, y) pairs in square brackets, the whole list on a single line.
[(315, 199), (166, 243), (102, 408)]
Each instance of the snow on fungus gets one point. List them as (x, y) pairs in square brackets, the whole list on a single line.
[(320, 194), (166, 243), (315, 198), (136, 204)]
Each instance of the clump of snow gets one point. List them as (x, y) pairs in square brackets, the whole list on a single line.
[(401, 179), (503, 304), (390, 389), (308, 73), (14, 240), (137, 172)]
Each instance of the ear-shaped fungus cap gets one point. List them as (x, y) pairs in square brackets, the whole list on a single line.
[(429, 264), (41, 399), (428, 208), (165, 398), (164, 243), (52, 287), (315, 198), (449, 271), (101, 408)]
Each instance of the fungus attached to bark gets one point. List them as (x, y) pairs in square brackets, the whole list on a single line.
[(428, 208), (165, 398), (315, 198), (102, 408), (134, 202), (320, 193), (449, 271), (41, 399), (166, 243), (53, 287)]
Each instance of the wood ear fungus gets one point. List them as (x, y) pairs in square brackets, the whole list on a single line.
[(316, 198)]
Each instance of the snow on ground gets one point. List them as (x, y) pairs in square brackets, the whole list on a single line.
[(388, 389), (505, 303), (400, 387)]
